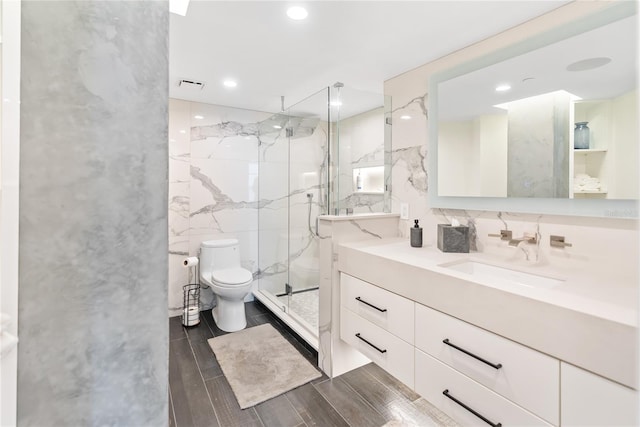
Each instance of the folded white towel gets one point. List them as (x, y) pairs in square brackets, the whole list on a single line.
[(594, 186), (585, 181)]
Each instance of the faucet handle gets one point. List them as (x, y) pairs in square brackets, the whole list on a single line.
[(558, 242), (504, 235)]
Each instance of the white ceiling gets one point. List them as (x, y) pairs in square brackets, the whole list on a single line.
[(359, 43)]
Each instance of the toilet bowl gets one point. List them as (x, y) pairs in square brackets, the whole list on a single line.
[(220, 270)]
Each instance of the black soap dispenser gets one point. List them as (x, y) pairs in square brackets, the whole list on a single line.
[(416, 235)]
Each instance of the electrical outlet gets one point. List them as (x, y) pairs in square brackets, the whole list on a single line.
[(404, 210)]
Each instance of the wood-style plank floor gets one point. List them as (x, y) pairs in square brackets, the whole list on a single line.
[(199, 394)]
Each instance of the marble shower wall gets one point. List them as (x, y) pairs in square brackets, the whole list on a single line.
[(229, 177), (93, 221), (361, 145), (293, 188), (597, 242), (213, 185)]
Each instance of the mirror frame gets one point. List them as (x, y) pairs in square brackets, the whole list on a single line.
[(607, 208)]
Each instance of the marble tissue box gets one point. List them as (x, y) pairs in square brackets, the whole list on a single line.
[(453, 238)]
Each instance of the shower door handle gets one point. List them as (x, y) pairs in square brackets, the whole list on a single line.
[(317, 220)]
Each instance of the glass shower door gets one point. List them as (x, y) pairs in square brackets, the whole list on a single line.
[(307, 133)]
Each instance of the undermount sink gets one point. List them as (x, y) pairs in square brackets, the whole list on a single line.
[(490, 272)]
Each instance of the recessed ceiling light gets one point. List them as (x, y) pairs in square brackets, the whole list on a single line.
[(503, 88), (230, 83), (588, 64), (297, 13), (405, 117), (277, 127), (183, 131), (198, 116)]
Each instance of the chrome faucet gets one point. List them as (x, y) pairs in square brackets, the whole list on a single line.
[(528, 239), (532, 239), (558, 242), (504, 235)]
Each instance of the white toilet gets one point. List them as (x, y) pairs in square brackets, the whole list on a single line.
[(220, 270)]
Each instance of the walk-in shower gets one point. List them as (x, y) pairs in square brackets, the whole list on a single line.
[(264, 179), (327, 154)]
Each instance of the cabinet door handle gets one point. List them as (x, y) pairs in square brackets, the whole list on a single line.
[(372, 345), (493, 365), (381, 310), (486, 420)]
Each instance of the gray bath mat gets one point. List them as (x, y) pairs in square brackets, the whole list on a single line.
[(259, 364)]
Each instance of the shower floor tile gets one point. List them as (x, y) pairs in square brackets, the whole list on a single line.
[(305, 305)]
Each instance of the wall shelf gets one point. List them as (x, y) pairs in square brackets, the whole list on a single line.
[(589, 150), (590, 192)]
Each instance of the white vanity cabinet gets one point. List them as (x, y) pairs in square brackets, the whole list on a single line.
[(381, 307), (591, 400), (522, 375), (472, 374), (380, 325), (465, 400)]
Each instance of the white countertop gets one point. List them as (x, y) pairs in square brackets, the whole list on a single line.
[(589, 320)]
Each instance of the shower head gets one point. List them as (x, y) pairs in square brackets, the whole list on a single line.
[(338, 85)]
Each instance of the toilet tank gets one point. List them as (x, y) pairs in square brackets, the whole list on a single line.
[(219, 254)]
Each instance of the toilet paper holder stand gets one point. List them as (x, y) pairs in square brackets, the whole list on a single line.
[(191, 299)]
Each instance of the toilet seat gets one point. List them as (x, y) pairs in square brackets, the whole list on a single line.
[(231, 277)]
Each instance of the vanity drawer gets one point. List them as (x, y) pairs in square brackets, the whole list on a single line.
[(381, 307), (434, 377), (525, 376), (392, 354)]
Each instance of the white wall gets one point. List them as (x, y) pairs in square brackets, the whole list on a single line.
[(624, 147), (9, 198), (473, 157)]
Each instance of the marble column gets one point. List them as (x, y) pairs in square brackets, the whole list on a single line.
[(93, 321)]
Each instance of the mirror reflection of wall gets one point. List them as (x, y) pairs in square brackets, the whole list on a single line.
[(506, 128), (608, 169)]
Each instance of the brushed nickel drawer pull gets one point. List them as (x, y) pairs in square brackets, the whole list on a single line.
[(486, 420), (381, 310), (493, 365), (372, 345)]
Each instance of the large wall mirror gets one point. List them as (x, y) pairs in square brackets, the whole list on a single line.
[(549, 125)]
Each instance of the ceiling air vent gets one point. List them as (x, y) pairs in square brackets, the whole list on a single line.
[(190, 84)]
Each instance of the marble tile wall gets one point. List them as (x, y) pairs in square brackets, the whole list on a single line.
[(293, 180), (233, 174), (598, 243), (213, 186), (335, 357), (230, 177), (361, 145), (93, 220)]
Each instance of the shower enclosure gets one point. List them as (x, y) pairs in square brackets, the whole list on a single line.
[(327, 154)]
